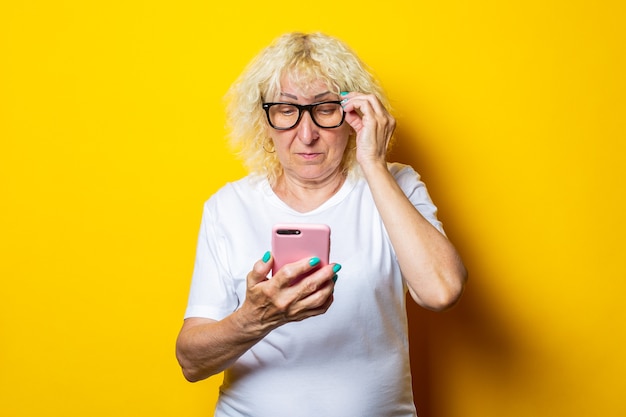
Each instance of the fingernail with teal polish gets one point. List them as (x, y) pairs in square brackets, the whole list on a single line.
[(343, 93), (335, 278), (314, 261), (336, 268), (267, 256)]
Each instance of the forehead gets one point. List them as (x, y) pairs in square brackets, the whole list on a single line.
[(301, 88)]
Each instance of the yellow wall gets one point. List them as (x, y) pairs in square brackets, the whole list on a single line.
[(111, 139)]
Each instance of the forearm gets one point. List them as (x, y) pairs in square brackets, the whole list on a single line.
[(429, 263), (206, 347)]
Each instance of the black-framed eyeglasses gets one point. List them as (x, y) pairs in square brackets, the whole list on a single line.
[(285, 116)]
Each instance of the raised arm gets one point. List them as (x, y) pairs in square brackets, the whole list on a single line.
[(430, 264)]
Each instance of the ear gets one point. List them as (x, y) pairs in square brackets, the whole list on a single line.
[(268, 145)]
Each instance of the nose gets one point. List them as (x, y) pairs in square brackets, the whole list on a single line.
[(307, 130)]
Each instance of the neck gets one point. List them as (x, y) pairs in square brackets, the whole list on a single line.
[(305, 196)]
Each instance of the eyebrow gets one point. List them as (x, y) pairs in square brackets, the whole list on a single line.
[(296, 97)]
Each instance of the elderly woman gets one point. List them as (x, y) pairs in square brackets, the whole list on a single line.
[(311, 123)]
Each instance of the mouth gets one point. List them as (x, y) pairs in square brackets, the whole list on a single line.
[(309, 156)]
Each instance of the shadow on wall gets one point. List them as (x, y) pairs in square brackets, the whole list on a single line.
[(470, 326), (437, 338)]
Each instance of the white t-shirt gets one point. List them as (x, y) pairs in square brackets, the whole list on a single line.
[(351, 361)]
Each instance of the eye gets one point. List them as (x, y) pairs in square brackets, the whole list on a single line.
[(286, 110), (326, 109)]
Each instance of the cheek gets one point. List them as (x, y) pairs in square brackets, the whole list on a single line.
[(339, 147), (344, 138)]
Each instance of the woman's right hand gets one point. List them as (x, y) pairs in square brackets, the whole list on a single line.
[(283, 298), (206, 347)]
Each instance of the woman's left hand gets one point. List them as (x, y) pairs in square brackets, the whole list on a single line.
[(433, 271), (373, 125)]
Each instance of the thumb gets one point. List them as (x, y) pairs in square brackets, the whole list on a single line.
[(261, 269)]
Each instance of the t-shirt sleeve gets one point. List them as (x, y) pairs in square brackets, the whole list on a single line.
[(413, 187), (212, 294)]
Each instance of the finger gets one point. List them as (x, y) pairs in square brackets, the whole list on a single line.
[(295, 270), (313, 304), (261, 269), (317, 310), (309, 296), (367, 111), (321, 281), (354, 120), (354, 116), (360, 109), (360, 114), (362, 103)]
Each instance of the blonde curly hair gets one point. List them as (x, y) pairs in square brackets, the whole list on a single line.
[(305, 58)]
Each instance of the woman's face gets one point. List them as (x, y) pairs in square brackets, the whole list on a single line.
[(307, 152)]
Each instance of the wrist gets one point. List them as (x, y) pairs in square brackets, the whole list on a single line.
[(374, 167), (247, 324)]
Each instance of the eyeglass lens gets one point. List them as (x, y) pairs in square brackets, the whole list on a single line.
[(286, 116)]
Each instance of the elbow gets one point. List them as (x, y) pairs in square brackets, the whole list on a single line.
[(444, 301), (190, 375), (452, 292), (447, 294), (190, 370), (194, 354)]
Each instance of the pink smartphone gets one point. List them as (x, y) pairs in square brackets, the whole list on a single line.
[(295, 241)]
